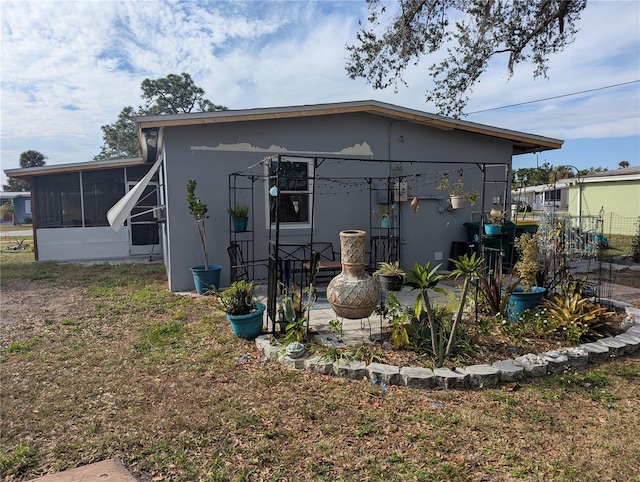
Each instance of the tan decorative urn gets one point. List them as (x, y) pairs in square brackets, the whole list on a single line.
[(353, 294)]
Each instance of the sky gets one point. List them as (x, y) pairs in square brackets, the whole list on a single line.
[(69, 67)]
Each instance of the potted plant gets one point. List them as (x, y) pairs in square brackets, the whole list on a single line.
[(494, 223), (206, 277), (242, 309), (239, 216), (526, 295), (391, 276), (458, 196)]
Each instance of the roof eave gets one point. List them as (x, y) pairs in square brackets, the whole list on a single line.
[(29, 172), (522, 143)]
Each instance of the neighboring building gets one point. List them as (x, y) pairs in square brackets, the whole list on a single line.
[(336, 157), (544, 196), (21, 207), (616, 191), (70, 210)]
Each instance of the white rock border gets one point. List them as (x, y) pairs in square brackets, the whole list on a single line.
[(474, 376)]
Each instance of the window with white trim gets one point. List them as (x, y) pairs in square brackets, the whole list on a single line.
[(294, 194)]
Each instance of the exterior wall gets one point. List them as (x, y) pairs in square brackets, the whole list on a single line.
[(65, 244), (619, 197), (22, 207), (209, 153)]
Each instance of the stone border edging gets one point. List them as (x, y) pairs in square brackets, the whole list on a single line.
[(474, 376)]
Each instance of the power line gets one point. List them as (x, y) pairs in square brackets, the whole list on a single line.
[(555, 97)]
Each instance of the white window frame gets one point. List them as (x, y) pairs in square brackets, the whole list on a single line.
[(308, 192)]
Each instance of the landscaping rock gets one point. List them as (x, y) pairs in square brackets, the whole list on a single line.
[(388, 374), (616, 348), (597, 352), (447, 378), (297, 363), (556, 361), (317, 364), (262, 342), (417, 377), (532, 364), (482, 375), (509, 371), (354, 370), (272, 352), (577, 356), (632, 342)]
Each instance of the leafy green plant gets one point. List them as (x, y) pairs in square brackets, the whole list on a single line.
[(528, 265), (295, 331), (423, 278), (238, 299), (238, 211), (335, 325), (581, 315), (390, 269), (198, 210), (17, 459), (635, 243), (469, 267), (398, 320)]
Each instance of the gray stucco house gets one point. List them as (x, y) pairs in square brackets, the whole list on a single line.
[(345, 166)]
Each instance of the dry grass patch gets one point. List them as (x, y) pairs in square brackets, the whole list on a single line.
[(101, 362)]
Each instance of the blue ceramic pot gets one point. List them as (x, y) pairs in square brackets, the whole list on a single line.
[(240, 224), (492, 229), (521, 300), (248, 326), (206, 279)]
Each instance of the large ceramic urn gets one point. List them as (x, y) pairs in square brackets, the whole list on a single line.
[(353, 293)]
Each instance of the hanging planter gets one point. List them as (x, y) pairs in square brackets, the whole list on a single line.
[(458, 202)]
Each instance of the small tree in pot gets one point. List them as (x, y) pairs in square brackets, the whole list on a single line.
[(207, 277)]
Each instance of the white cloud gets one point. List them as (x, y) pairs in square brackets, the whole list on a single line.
[(70, 67)]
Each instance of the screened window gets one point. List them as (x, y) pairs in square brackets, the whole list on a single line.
[(101, 190), (57, 201), (295, 192)]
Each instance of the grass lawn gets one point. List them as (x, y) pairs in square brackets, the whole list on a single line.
[(11, 227), (102, 361)]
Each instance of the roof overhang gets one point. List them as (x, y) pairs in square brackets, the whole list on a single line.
[(523, 143), (28, 172)]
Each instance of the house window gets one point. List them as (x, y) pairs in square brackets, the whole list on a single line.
[(100, 191), (27, 207), (552, 195), (294, 194), (58, 203)]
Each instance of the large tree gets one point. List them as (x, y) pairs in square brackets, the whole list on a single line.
[(173, 94), (469, 32), (28, 158)]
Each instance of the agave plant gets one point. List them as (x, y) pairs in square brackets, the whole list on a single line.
[(573, 308)]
